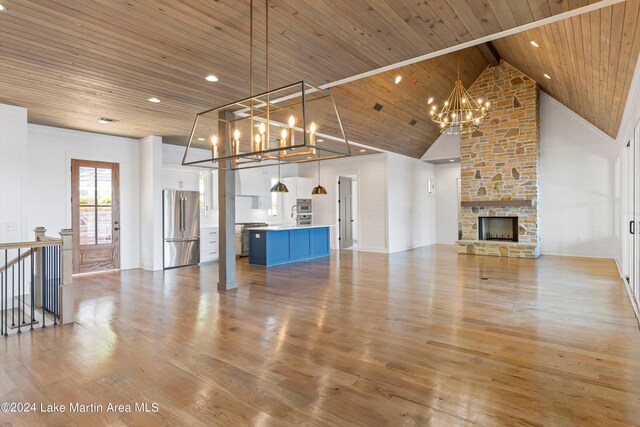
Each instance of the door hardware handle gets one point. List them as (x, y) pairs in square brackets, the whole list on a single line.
[(632, 227)]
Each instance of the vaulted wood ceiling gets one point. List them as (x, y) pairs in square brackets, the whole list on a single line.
[(72, 61), (590, 58)]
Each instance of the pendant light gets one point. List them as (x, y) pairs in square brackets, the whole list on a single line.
[(460, 113), (279, 187), (261, 116), (319, 190)]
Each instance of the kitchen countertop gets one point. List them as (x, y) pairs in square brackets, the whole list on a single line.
[(286, 227)]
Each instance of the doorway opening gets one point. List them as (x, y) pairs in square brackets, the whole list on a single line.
[(95, 212), (348, 214)]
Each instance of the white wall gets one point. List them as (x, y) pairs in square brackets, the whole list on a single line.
[(446, 147), (372, 197), (13, 172), (411, 210), (50, 151), (577, 184), (447, 202), (396, 213)]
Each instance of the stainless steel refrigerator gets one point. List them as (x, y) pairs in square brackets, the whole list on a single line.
[(181, 228)]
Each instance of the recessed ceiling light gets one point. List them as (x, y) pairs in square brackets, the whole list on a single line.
[(547, 76), (429, 101), (154, 100), (534, 44), (309, 157), (363, 150), (320, 140), (200, 139), (211, 78), (2, 8), (106, 120), (398, 79), (451, 160)]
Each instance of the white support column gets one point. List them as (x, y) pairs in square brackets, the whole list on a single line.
[(67, 290), (150, 159)]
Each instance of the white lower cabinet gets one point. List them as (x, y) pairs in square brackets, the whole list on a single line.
[(209, 244)]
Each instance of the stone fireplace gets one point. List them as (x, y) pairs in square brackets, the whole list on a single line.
[(499, 168)]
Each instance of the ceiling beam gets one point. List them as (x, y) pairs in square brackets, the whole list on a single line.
[(551, 19), (490, 53)]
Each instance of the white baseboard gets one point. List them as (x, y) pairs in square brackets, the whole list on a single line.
[(636, 309), (373, 249), (577, 255)]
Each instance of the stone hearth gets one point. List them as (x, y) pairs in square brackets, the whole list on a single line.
[(499, 163)]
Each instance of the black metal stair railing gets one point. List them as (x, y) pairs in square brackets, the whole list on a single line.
[(29, 285)]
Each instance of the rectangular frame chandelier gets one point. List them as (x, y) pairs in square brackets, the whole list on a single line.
[(297, 123)]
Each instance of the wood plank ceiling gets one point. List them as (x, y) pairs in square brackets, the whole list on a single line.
[(590, 58), (72, 61)]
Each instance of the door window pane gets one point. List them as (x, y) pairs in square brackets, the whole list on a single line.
[(87, 186), (87, 226), (104, 187), (104, 225)]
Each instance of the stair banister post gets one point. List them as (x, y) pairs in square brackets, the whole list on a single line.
[(37, 286), (66, 291)]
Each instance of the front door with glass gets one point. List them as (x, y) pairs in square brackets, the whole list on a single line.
[(95, 216)]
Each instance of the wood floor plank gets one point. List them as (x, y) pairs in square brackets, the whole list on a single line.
[(358, 339)]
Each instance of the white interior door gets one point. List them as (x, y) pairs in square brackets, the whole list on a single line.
[(630, 210), (635, 258), (345, 219)]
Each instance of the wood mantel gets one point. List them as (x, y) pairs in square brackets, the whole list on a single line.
[(480, 203)]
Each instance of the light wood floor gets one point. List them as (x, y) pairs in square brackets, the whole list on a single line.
[(411, 339)]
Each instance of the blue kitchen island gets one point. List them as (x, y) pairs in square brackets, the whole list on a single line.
[(275, 245)]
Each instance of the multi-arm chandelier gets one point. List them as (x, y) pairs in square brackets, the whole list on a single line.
[(292, 124), (460, 112)]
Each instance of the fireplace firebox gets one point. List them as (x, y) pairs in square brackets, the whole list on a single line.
[(498, 228)]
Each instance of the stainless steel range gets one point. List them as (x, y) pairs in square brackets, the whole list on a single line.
[(244, 235)]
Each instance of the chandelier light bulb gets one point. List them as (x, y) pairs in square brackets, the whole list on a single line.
[(283, 134), (214, 140), (292, 121), (236, 134), (487, 104), (446, 103), (430, 100), (312, 128), (257, 138), (262, 128), (479, 101)]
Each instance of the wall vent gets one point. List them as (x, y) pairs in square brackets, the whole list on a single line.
[(413, 122), (377, 107), (106, 120)]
